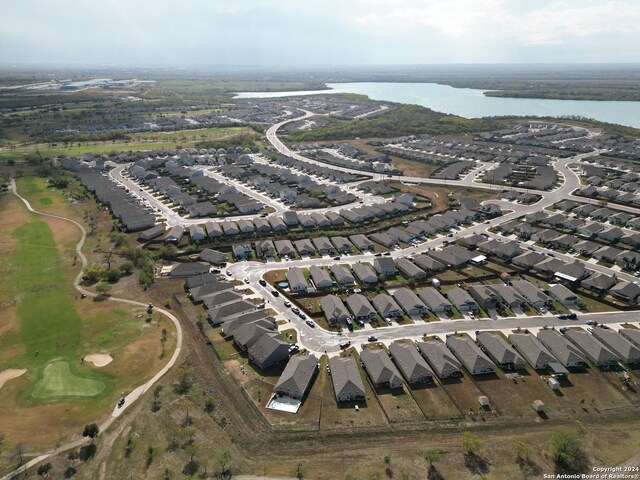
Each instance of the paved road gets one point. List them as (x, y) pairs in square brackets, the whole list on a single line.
[(136, 393)]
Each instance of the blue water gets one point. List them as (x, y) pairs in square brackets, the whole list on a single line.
[(472, 103)]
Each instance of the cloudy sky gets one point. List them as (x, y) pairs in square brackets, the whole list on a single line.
[(318, 32)]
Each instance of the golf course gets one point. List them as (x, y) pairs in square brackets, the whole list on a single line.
[(47, 329)]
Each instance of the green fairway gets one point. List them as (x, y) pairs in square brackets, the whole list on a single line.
[(49, 323), (59, 381)]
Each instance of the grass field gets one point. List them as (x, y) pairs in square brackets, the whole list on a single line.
[(49, 322), (141, 141), (46, 328), (59, 381)]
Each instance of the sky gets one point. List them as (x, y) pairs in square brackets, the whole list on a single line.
[(318, 32)]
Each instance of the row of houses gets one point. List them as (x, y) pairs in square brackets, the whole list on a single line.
[(123, 205), (252, 330)]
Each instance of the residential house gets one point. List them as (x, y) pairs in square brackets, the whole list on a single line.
[(628, 292), (297, 376), (362, 243), (297, 281), (532, 294), (434, 300), (304, 247), (470, 355), (386, 306), (566, 352), (460, 299), (334, 310), (365, 273), (412, 365), (410, 270), (409, 301), (361, 308), (621, 346), (591, 348), (385, 266), (380, 368), (532, 350), (323, 245), (320, 277), (346, 379), (500, 352), (440, 358), (343, 275), (269, 350), (285, 248), (428, 264), (213, 256), (242, 251), (563, 295)]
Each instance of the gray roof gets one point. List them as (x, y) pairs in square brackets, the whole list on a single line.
[(364, 272), (333, 308), (433, 299), (407, 267), (297, 376), (269, 350), (428, 264), (457, 296), (441, 359), (411, 363), (529, 291), (594, 350), (249, 333), (626, 351), (567, 353), (380, 367), (474, 360), (342, 274), (198, 293), (296, 278), (360, 306), (408, 300), (631, 334), (530, 347), (346, 377), (213, 256), (499, 350), (385, 304), (319, 276)]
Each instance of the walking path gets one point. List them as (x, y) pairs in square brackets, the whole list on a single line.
[(136, 393)]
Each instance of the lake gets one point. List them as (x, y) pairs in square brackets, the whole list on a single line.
[(472, 103)]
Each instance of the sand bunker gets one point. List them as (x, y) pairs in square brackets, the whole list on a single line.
[(11, 373), (99, 359)]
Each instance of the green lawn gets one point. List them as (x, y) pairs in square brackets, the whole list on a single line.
[(49, 323), (59, 381)]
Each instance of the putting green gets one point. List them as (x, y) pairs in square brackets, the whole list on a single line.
[(59, 381)]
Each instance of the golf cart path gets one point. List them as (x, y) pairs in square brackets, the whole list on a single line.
[(137, 392)]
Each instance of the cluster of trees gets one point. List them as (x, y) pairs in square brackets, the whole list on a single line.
[(404, 120)]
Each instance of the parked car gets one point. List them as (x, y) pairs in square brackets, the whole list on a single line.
[(294, 349), (344, 345), (563, 316), (336, 258), (287, 304), (262, 282), (121, 402), (246, 280), (590, 322), (311, 323), (275, 293), (260, 306), (372, 338), (302, 316), (295, 310), (572, 316)]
